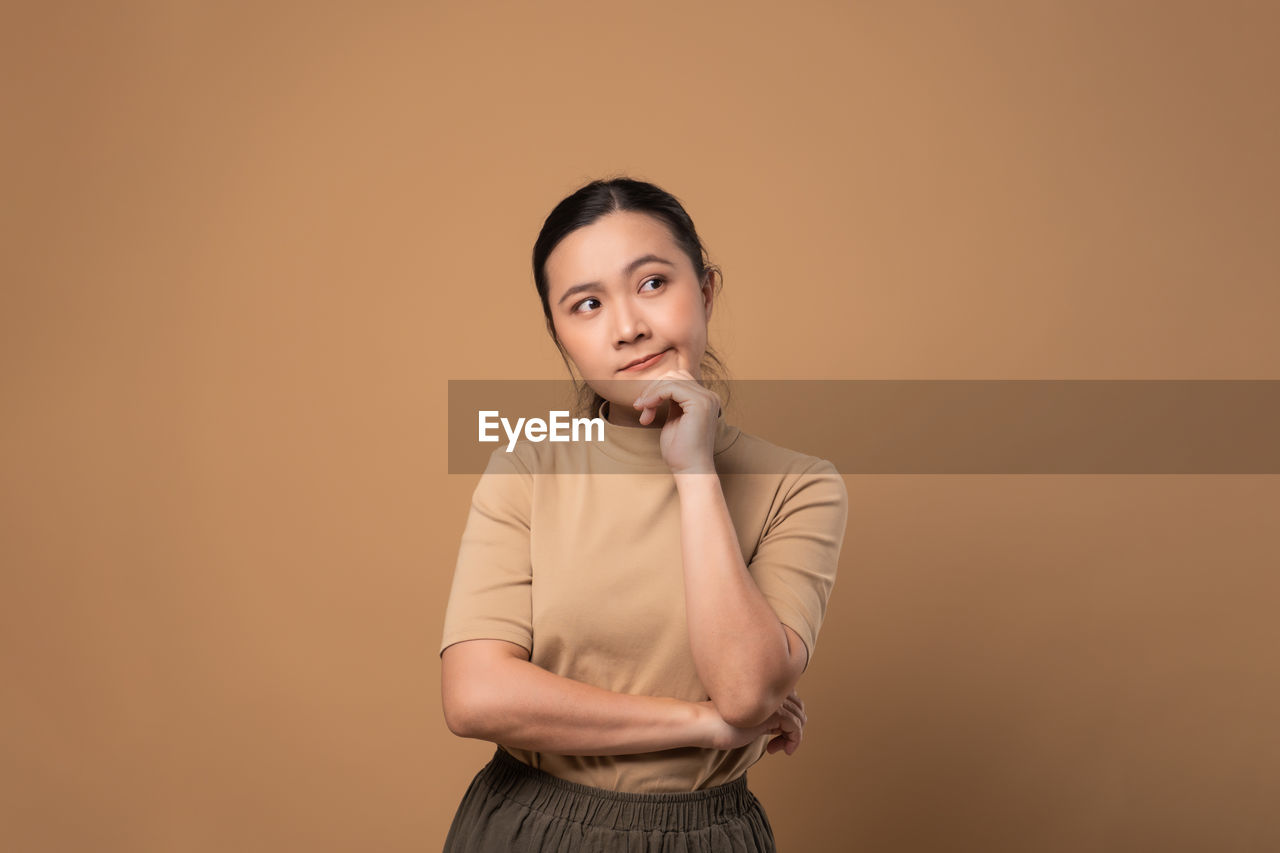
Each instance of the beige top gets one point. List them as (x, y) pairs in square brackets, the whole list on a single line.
[(572, 550)]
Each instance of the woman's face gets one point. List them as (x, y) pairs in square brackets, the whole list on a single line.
[(622, 289)]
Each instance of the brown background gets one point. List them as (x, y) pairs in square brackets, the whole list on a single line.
[(244, 249)]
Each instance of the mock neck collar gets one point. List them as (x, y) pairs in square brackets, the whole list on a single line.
[(641, 445)]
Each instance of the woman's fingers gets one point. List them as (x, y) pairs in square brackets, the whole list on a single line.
[(677, 385), (798, 703), (666, 377), (791, 719), (794, 706), (786, 725), (791, 730), (798, 706)]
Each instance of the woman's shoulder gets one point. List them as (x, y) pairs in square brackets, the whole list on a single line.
[(753, 454)]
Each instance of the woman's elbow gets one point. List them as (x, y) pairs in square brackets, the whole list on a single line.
[(474, 684), (467, 707), (459, 719), (748, 710), (459, 714), (748, 706)]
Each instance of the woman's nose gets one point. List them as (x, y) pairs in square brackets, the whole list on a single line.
[(629, 322)]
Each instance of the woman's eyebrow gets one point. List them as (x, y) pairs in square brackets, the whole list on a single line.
[(627, 270)]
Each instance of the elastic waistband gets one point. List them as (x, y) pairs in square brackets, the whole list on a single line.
[(510, 777)]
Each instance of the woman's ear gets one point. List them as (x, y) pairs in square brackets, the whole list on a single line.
[(708, 293)]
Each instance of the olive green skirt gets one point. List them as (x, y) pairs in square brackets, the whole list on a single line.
[(511, 807)]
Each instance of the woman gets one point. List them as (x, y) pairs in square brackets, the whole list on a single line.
[(632, 642)]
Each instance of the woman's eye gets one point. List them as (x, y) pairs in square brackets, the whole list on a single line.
[(578, 307)]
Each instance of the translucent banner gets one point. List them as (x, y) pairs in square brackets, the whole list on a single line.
[(925, 426)]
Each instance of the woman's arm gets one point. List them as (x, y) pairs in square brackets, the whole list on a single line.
[(747, 660), (491, 691)]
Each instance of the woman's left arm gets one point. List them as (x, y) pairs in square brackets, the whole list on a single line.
[(747, 660)]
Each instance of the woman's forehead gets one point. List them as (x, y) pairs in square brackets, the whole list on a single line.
[(608, 247)]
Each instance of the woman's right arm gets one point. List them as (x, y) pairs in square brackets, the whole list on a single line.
[(491, 691)]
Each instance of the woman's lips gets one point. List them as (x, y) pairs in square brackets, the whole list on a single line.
[(636, 368)]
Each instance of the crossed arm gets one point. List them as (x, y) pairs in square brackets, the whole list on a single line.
[(492, 692), (748, 661)]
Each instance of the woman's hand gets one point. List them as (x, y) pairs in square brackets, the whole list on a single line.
[(789, 739), (787, 724), (689, 432)]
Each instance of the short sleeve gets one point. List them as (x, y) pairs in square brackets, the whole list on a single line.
[(795, 563), (491, 595)]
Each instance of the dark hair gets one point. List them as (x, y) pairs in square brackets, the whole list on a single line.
[(588, 204)]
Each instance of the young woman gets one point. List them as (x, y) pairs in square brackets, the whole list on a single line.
[(629, 618)]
